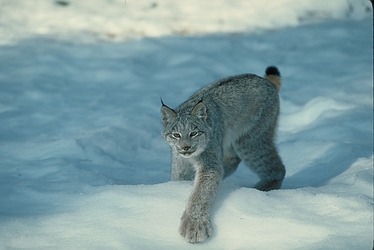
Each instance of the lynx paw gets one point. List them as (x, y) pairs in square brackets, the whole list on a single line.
[(268, 185), (195, 230)]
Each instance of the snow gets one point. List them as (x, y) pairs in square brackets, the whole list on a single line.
[(83, 164), (123, 20)]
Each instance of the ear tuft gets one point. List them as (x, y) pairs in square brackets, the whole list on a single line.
[(167, 114), (200, 111)]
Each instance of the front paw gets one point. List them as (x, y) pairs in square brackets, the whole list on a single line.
[(195, 229)]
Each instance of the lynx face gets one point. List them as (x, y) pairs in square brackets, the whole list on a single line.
[(186, 140), (186, 134)]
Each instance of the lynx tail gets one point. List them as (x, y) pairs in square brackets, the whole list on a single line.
[(272, 74)]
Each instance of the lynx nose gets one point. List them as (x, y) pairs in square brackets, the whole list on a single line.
[(186, 147)]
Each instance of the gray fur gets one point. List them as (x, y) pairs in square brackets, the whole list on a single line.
[(230, 120)]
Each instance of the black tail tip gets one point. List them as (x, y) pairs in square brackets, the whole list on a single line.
[(272, 70)]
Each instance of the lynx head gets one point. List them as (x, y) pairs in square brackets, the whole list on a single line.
[(186, 133)]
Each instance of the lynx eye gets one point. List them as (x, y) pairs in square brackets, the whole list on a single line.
[(193, 134), (176, 135)]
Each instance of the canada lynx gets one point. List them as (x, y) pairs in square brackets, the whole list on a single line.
[(230, 120)]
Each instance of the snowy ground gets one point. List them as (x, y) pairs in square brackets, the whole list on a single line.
[(82, 161), (123, 20)]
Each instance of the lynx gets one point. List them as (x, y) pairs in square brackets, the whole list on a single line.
[(228, 121)]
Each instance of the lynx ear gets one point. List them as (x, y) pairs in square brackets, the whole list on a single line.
[(167, 113), (200, 111)]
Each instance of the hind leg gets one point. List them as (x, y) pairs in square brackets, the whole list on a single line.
[(261, 156)]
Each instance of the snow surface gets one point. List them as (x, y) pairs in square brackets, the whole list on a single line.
[(83, 164), (123, 20)]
